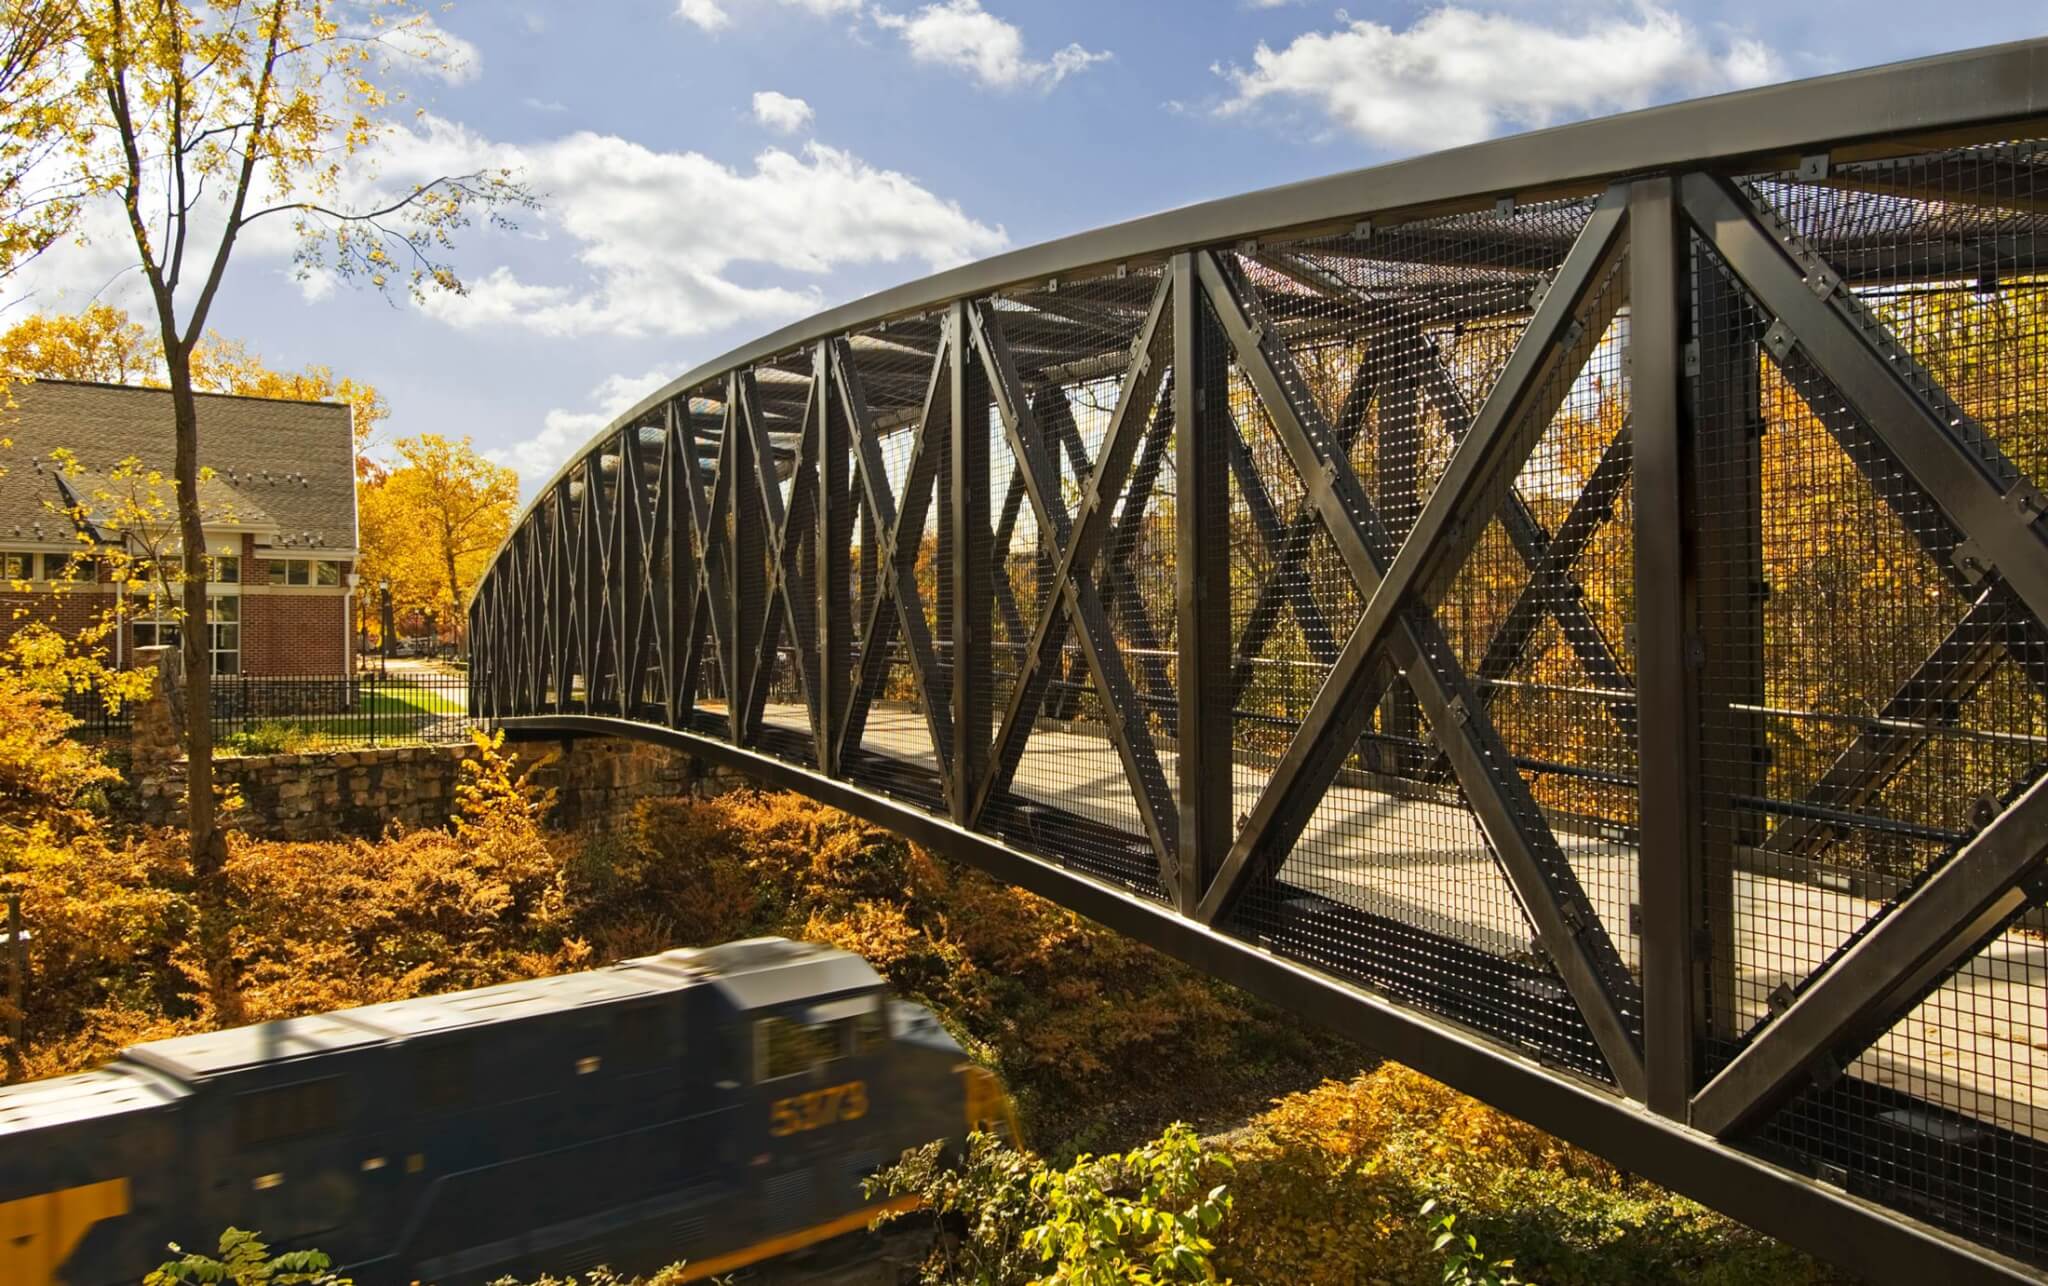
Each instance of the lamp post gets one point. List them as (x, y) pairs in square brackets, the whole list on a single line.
[(385, 625)]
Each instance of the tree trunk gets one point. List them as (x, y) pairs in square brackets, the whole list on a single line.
[(454, 595), (209, 845)]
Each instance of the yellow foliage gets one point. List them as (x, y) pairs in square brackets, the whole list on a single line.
[(45, 776), (101, 344), (105, 345), (315, 926), (1330, 1183), (223, 365), (495, 796), (430, 525)]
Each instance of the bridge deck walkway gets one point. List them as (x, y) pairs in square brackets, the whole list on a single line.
[(1429, 867)]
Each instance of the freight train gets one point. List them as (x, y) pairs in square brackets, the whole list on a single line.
[(719, 1106)]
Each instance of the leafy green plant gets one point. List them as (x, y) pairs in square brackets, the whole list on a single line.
[(1145, 1216), (244, 1260), (673, 1275), (979, 1204), (1148, 1216), (270, 737), (1464, 1263)]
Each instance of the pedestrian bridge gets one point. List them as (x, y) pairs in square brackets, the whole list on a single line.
[(1567, 612)]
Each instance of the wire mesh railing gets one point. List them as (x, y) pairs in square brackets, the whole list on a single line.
[(1606, 617)]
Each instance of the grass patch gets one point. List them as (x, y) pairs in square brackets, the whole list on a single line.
[(390, 712)]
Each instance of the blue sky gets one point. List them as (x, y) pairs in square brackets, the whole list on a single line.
[(684, 214)]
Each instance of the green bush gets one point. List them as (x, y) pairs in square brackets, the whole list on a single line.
[(1004, 1218), (270, 737), (244, 1260)]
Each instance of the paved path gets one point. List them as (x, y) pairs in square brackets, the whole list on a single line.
[(1979, 1045)]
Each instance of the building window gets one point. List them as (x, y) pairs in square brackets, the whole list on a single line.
[(156, 632), (224, 619), (227, 569), (17, 566), (69, 567), (323, 573), (159, 628)]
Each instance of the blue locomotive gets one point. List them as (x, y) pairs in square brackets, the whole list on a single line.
[(718, 1105)]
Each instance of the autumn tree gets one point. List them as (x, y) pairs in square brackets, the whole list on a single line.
[(104, 344), (430, 524), (34, 112), (201, 118), (223, 365)]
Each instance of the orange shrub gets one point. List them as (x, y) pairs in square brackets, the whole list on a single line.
[(1330, 1184)]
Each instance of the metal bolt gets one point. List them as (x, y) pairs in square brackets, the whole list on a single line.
[(1984, 810), (1779, 340)]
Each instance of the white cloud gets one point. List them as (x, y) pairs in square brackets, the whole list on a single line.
[(705, 13), (1749, 62), (716, 15), (630, 240), (424, 47), (780, 112), (562, 430), (962, 35), (655, 234), (1459, 75), (544, 105)]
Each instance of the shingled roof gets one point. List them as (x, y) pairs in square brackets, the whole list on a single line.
[(283, 469)]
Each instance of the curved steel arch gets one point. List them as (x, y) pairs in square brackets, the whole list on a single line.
[(1360, 590)]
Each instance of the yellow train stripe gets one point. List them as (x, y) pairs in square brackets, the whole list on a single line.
[(37, 1234), (793, 1241)]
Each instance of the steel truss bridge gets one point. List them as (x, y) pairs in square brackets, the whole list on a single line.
[(1568, 612)]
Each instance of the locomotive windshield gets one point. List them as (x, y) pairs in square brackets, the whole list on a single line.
[(793, 1043)]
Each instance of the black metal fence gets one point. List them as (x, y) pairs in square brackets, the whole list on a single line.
[(260, 714)]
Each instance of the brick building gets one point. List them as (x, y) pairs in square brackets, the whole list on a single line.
[(279, 510)]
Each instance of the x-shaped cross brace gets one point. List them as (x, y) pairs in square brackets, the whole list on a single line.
[(791, 605), (1075, 545), (1393, 629), (897, 606)]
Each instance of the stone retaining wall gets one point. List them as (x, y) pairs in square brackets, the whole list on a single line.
[(360, 792)]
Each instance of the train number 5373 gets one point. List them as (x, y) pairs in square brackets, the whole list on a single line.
[(800, 1112)]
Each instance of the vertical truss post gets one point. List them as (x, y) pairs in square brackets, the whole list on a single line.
[(560, 586), (677, 567), (1202, 560), (1727, 447), (940, 444), (972, 590), (1398, 447), (1667, 582), (832, 564), (590, 536), (746, 540), (479, 695)]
